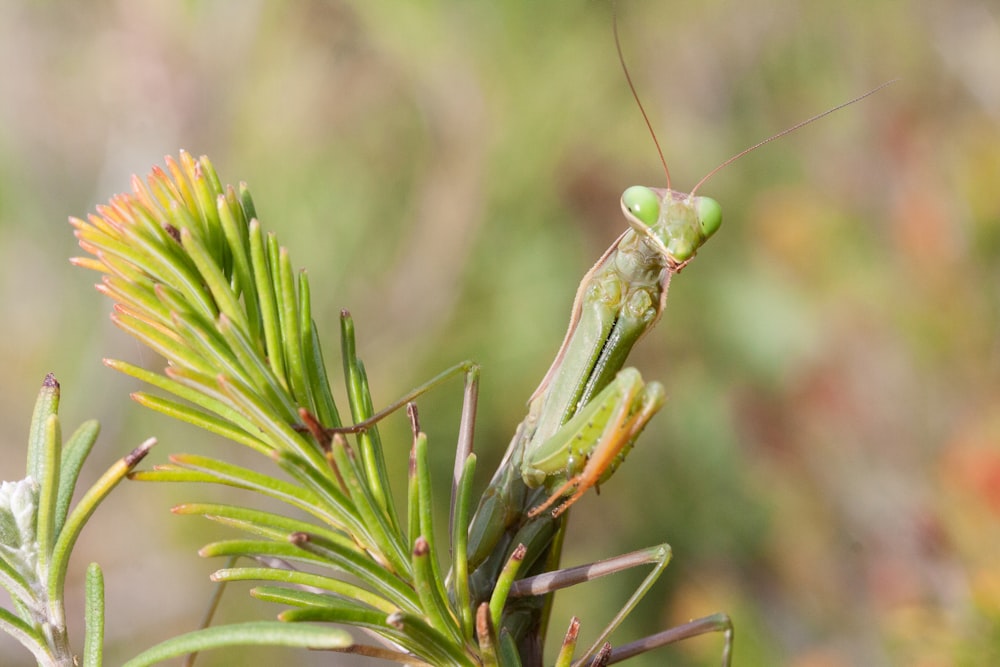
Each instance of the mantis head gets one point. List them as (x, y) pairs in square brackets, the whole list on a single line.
[(677, 223)]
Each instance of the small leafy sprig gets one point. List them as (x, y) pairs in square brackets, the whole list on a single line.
[(38, 531), (195, 278)]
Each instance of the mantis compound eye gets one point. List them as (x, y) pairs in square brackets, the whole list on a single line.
[(709, 216), (643, 204)]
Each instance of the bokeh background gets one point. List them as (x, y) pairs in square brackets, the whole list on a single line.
[(827, 468)]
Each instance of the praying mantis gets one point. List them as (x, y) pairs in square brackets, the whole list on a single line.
[(586, 413), (582, 420)]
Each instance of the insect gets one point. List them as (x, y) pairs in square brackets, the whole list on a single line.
[(582, 421), (588, 410)]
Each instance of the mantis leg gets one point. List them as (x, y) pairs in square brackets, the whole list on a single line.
[(657, 556), (595, 441), (603, 457), (467, 426), (469, 368), (714, 623)]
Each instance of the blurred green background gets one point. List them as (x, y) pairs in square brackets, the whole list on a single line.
[(827, 468)]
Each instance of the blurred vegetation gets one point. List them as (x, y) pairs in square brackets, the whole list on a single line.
[(828, 466)]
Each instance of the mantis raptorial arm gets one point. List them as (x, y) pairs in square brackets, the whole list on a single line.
[(591, 445)]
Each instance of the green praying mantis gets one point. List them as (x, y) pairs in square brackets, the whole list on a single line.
[(582, 420), (588, 410)]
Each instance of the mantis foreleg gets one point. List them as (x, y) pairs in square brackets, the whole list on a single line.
[(590, 446)]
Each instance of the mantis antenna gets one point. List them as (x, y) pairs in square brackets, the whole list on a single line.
[(635, 94), (789, 130)]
